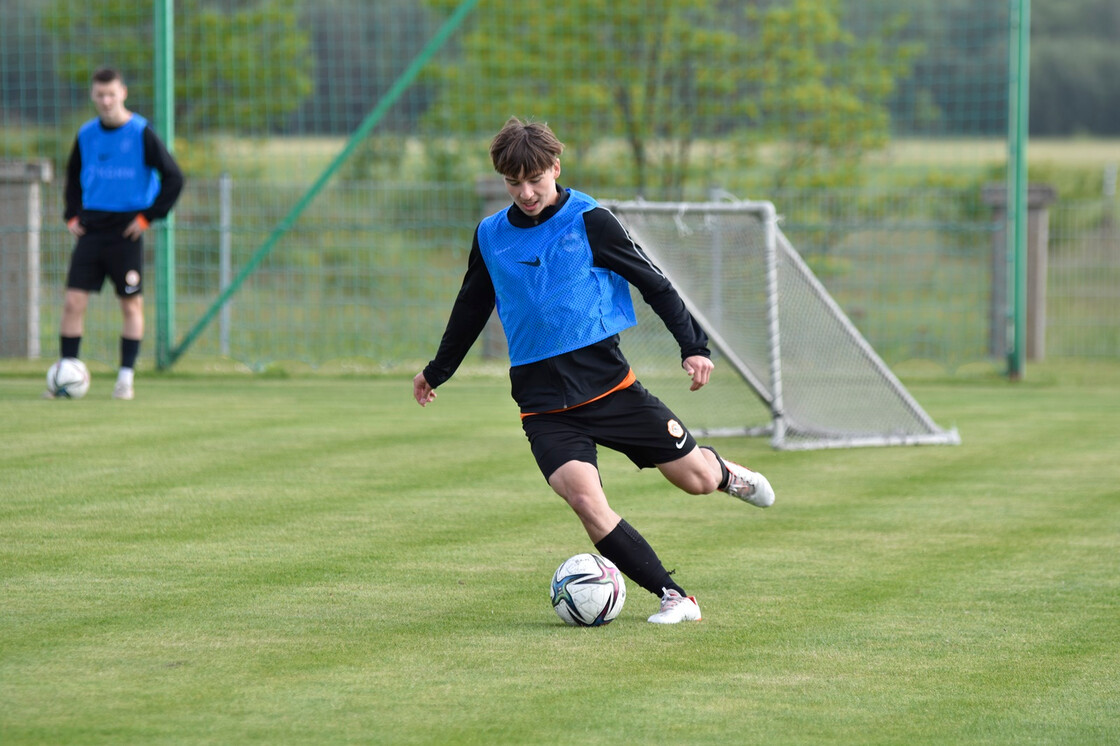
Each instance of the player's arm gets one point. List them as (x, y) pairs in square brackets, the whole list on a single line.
[(157, 156), (613, 248), (73, 191), (469, 314)]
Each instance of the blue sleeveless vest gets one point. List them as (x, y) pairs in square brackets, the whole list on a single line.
[(114, 176), (551, 299)]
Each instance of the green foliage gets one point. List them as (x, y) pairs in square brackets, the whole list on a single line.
[(241, 70), (823, 90), (957, 201), (664, 77), (661, 75)]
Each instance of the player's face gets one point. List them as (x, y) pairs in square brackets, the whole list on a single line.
[(533, 193), (109, 100)]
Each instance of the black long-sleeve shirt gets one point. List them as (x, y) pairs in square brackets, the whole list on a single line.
[(156, 156), (576, 377)]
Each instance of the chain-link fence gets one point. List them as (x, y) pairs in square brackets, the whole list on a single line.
[(336, 154)]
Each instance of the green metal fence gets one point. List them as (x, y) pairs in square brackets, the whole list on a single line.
[(335, 152)]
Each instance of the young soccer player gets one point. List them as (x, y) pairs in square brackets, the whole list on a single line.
[(120, 178), (558, 268)]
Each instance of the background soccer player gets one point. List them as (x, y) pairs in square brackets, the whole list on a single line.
[(119, 179)]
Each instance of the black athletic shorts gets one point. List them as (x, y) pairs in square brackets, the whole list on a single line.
[(631, 421), (101, 254)]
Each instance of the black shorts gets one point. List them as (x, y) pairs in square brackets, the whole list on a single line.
[(631, 421), (101, 254)]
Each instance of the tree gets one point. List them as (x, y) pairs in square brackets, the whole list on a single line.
[(821, 90), (657, 74), (665, 76), (241, 69)]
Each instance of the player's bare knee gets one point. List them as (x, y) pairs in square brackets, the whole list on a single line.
[(700, 477), (73, 306), (584, 504), (702, 482)]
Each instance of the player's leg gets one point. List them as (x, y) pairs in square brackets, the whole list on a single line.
[(650, 434), (74, 305), (86, 275), (698, 472), (132, 332), (83, 277), (126, 273), (565, 452), (579, 484), (132, 315), (702, 471), (70, 329)]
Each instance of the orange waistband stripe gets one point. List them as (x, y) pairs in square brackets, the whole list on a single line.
[(626, 382)]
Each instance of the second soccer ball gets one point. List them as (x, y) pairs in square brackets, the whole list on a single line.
[(68, 378)]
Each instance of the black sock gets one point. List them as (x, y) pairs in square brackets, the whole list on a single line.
[(69, 346), (130, 348), (633, 555), (722, 468)]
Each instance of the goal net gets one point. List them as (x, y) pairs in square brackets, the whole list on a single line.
[(771, 324)]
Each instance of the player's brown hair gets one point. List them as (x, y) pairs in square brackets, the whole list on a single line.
[(522, 149)]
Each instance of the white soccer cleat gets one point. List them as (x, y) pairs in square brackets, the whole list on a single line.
[(122, 390), (749, 486), (676, 608)]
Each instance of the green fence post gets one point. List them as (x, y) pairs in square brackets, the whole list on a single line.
[(1019, 109), (165, 231)]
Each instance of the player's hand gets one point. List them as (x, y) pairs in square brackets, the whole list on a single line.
[(136, 228), (699, 369), (422, 390), (77, 230)]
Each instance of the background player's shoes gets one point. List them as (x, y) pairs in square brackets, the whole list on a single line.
[(122, 390), (748, 485), (676, 608)]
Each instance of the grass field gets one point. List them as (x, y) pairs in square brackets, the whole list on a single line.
[(239, 559)]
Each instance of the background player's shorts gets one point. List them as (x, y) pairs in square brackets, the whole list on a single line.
[(101, 254), (631, 421)]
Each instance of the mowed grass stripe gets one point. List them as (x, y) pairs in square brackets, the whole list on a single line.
[(318, 560)]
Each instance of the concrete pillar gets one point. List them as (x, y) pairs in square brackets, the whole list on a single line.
[(1039, 198), (21, 225)]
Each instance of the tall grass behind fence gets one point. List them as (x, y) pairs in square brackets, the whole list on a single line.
[(872, 125)]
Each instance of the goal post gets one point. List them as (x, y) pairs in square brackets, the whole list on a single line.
[(817, 382)]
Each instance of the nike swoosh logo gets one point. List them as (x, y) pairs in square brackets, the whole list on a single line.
[(680, 443), (535, 263)]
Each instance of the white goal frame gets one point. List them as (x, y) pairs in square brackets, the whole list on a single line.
[(798, 427)]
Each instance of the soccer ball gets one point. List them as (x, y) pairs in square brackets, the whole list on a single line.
[(588, 591), (68, 378)]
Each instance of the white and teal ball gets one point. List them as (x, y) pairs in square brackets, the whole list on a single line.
[(68, 378), (588, 591)]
